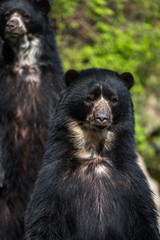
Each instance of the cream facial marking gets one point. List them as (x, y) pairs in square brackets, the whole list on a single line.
[(101, 88), (84, 138), (17, 17), (101, 110)]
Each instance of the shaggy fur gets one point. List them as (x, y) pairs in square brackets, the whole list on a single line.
[(90, 186), (30, 80)]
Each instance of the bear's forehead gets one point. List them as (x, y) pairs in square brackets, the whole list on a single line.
[(104, 80), (97, 88), (15, 5), (102, 89)]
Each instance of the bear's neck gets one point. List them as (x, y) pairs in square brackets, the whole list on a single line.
[(92, 144), (92, 141), (25, 58), (27, 52)]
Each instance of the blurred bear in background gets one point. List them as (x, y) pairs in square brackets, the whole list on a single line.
[(30, 81)]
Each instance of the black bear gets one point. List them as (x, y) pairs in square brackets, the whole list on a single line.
[(90, 186), (31, 77)]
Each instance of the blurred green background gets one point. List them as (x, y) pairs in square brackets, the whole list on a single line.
[(120, 35)]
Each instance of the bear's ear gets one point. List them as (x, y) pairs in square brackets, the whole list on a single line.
[(70, 76), (45, 4), (127, 77)]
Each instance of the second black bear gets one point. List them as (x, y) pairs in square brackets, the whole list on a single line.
[(90, 186), (30, 80)]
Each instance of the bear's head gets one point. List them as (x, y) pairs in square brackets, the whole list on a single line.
[(20, 17), (99, 98)]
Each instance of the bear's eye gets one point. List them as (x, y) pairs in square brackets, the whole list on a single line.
[(90, 98), (25, 16), (114, 99), (7, 14)]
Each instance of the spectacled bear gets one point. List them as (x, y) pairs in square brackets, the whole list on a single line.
[(31, 77), (90, 186)]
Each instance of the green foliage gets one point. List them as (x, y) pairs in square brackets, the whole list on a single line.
[(121, 35), (63, 9)]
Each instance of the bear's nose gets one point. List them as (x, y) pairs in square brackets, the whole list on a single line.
[(12, 24), (102, 118)]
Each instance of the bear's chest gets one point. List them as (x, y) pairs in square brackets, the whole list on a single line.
[(96, 194), (29, 74)]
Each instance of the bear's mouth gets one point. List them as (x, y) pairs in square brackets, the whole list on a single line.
[(103, 127), (13, 34), (100, 122), (96, 125)]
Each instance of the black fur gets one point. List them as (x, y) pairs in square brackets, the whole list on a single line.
[(90, 186), (30, 81)]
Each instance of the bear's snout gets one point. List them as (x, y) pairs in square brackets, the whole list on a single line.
[(12, 24), (101, 114), (102, 118), (15, 26)]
